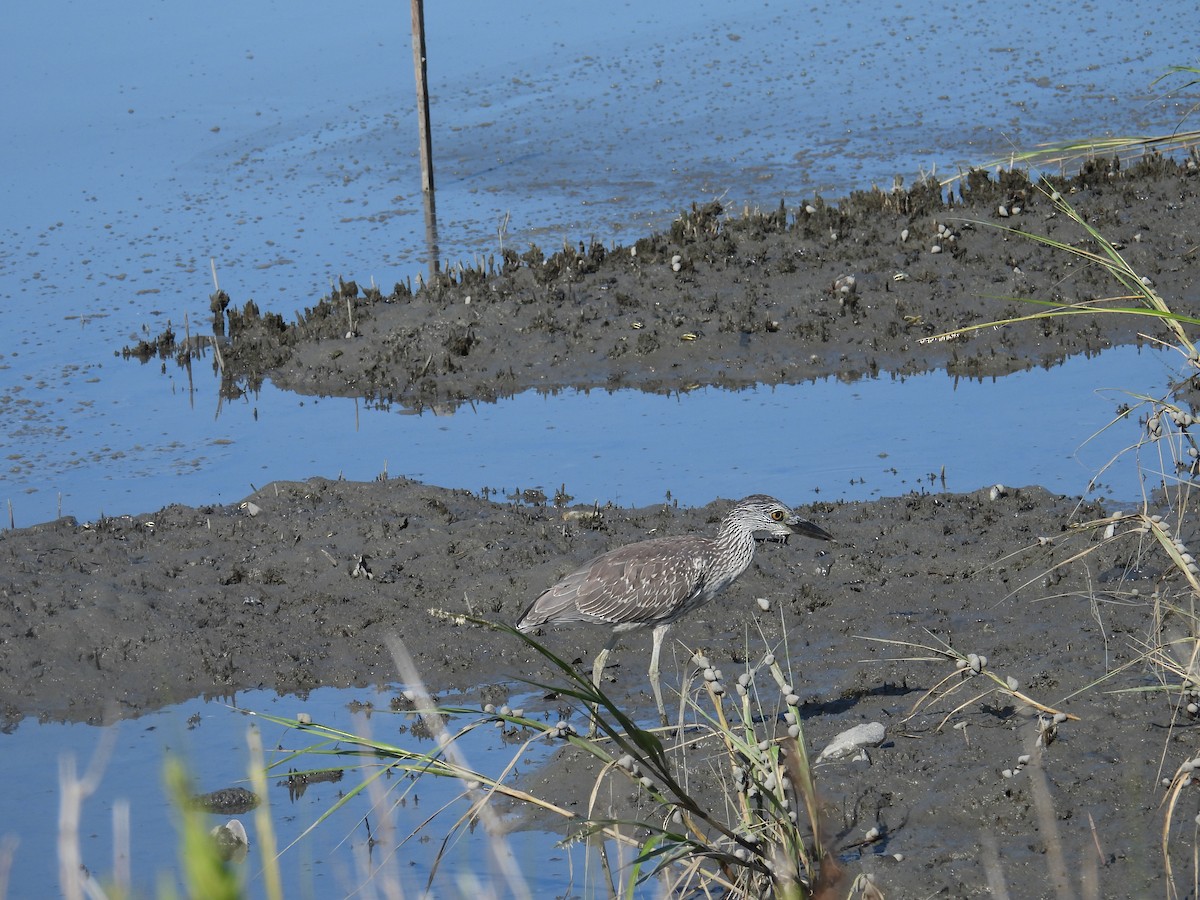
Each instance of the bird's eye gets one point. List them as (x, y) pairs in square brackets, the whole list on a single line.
[(777, 515)]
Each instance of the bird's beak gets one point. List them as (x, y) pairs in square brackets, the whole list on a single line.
[(808, 529)]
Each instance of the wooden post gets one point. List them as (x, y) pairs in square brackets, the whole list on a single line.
[(418, 45), (431, 235)]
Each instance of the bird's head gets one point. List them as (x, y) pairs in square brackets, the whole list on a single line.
[(762, 513)]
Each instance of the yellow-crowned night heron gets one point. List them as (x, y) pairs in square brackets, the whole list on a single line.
[(652, 583)]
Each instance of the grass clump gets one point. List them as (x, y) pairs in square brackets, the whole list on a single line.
[(1153, 534), (650, 815)]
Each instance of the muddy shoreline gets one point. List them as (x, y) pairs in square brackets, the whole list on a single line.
[(732, 298), (273, 592), (131, 613), (300, 584)]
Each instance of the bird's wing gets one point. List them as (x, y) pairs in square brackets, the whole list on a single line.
[(631, 585)]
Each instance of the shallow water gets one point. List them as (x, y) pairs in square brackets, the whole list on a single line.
[(210, 737), (282, 147), (826, 440)]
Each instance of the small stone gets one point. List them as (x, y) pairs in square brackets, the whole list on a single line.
[(853, 741), (231, 840)]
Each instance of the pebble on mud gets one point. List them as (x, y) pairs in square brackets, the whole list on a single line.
[(853, 742), (231, 840)]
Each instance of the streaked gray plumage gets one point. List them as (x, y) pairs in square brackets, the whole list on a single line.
[(652, 583)]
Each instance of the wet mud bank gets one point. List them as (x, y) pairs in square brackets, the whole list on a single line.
[(737, 297), (301, 584)]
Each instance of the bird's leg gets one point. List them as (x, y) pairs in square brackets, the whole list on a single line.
[(598, 673), (659, 632), (598, 665)]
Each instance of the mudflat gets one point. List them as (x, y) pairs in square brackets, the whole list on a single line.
[(301, 583)]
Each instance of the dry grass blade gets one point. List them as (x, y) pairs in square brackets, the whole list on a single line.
[(1185, 777), (73, 879), (262, 816), (502, 855), (966, 666)]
